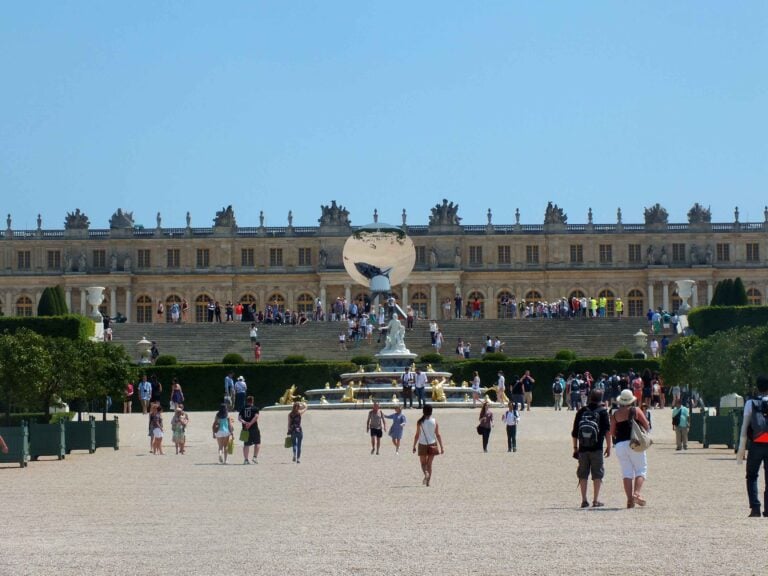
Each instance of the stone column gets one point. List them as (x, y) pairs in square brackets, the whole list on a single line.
[(491, 310), (695, 296), (38, 294), (433, 300), (323, 298), (650, 295), (112, 302), (404, 296), (68, 298), (665, 295), (128, 304), (710, 291), (347, 293), (82, 302)]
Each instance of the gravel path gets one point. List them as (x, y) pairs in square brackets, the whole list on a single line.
[(343, 511)]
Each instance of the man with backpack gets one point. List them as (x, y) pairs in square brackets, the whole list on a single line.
[(590, 430), (755, 429), (558, 387)]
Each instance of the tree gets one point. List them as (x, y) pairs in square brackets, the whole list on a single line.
[(47, 304), (108, 369), (61, 300), (738, 294), (24, 363)]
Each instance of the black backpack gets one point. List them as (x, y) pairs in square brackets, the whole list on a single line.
[(758, 423), (558, 387), (589, 429)]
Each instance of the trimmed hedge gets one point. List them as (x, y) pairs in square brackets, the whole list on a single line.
[(203, 384), (72, 326), (710, 319)]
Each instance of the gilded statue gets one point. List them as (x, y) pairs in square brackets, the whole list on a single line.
[(438, 390), (289, 396), (349, 395)]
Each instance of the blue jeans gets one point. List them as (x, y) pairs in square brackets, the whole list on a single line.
[(757, 456), (296, 437), (420, 396)]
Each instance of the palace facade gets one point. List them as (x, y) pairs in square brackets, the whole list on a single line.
[(292, 266)]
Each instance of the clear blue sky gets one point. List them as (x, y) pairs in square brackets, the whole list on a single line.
[(277, 106)]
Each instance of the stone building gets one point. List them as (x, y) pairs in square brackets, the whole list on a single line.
[(291, 266)]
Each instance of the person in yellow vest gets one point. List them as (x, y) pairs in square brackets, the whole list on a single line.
[(601, 306), (619, 305), (593, 307)]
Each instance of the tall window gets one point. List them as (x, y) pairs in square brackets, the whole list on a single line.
[(532, 296), (753, 252), (678, 252), (505, 255), (305, 257), (203, 259), (54, 259), (420, 304), (610, 308), (503, 310), (635, 303), (144, 310), (201, 307), (305, 303), (531, 254), (99, 259), (754, 298), (174, 257), (246, 257), (723, 253), (24, 306), (633, 253), (143, 259), (24, 260), (421, 255), (475, 255), (606, 253), (275, 257), (577, 253)]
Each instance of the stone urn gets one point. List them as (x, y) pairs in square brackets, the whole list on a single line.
[(685, 291), (95, 296), (641, 339), (144, 347)]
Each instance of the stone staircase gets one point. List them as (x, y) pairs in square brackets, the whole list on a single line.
[(319, 340)]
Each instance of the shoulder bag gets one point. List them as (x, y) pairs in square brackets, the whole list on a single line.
[(640, 439)]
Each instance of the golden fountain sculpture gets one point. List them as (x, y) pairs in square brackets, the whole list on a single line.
[(349, 395), (438, 392), (288, 396)]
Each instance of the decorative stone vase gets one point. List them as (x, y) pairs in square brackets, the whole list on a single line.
[(685, 291), (95, 296)]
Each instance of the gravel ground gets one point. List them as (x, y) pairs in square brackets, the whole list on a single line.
[(343, 511)]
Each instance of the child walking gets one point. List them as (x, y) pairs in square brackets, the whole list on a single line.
[(511, 418)]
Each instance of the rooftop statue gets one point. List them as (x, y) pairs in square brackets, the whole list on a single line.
[(554, 215), (121, 219), (699, 215), (76, 220), (225, 217), (334, 215), (445, 214), (656, 214)]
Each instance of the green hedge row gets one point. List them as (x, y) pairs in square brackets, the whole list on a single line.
[(203, 384), (71, 326), (710, 319)]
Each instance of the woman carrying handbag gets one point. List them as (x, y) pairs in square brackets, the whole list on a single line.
[(429, 442), (634, 465)]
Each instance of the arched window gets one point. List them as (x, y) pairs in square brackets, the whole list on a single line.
[(248, 298), (472, 308), (201, 307), (277, 300), (173, 298), (610, 309), (24, 306), (576, 294), (533, 296), (635, 303), (420, 304), (144, 309), (754, 298), (305, 303), (503, 300)]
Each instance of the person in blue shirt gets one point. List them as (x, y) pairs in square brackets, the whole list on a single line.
[(397, 427)]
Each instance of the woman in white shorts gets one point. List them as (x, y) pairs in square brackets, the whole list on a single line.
[(634, 466)]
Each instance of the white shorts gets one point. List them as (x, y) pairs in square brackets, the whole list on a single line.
[(633, 464), (157, 433), (222, 434)]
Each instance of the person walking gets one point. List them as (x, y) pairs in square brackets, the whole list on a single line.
[(558, 387), (240, 390), (511, 419), (408, 380), (485, 424), (128, 398), (591, 426), (145, 394), (251, 436), (179, 428), (223, 431), (754, 440), (429, 442), (177, 395), (501, 385), (680, 424), (229, 390), (375, 426), (475, 388), (397, 427), (634, 466), (528, 382), (156, 425), (295, 430)]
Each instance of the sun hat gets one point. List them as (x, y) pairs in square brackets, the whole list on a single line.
[(240, 379), (626, 398)]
